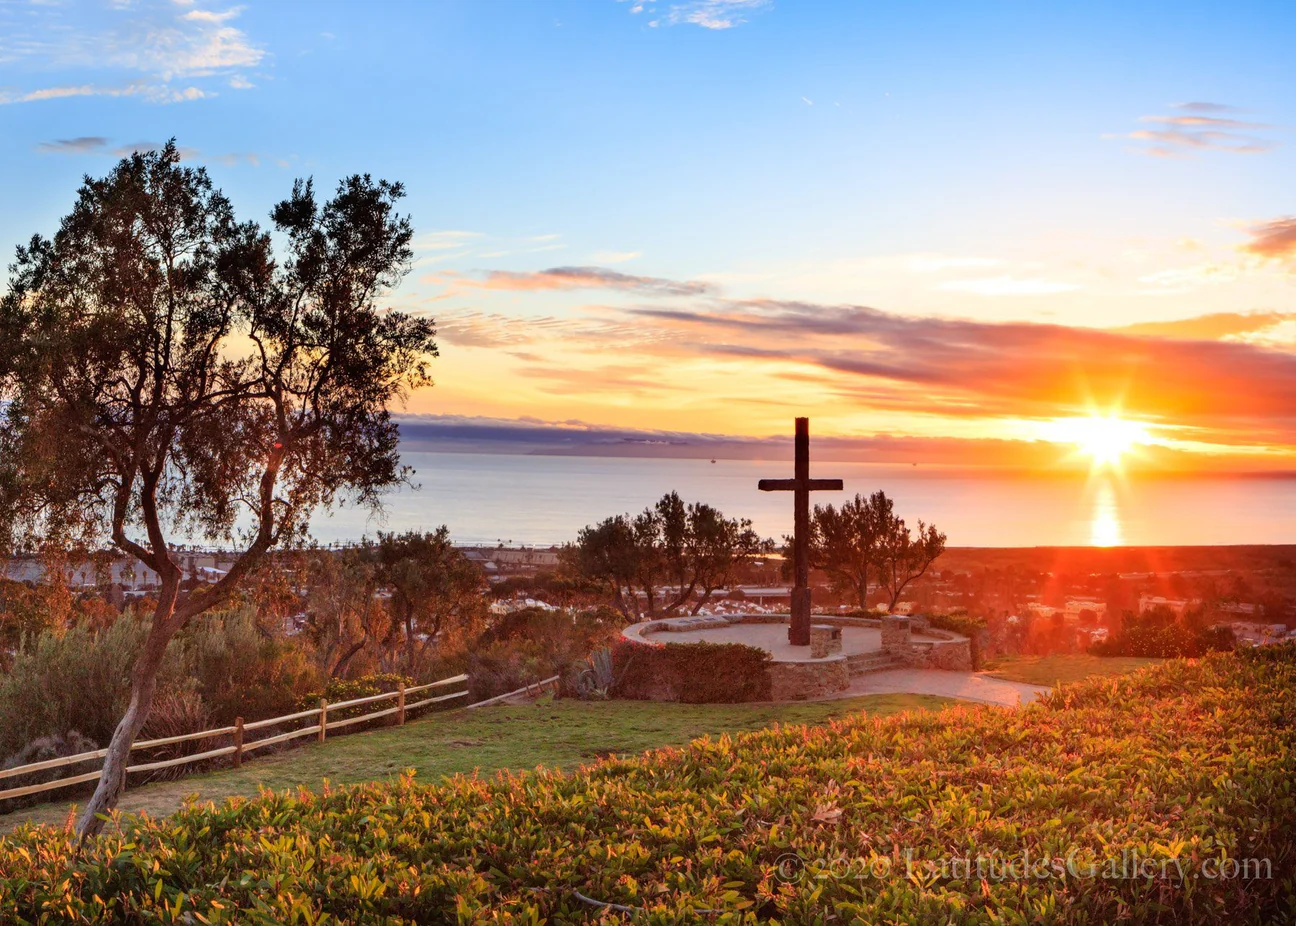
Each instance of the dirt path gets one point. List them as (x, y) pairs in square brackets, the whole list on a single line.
[(966, 686)]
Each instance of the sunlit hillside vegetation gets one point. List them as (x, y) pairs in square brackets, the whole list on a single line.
[(1185, 767)]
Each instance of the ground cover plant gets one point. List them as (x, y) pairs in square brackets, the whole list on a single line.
[(558, 734), (1063, 668), (1185, 765)]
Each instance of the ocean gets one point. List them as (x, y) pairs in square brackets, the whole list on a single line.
[(542, 499)]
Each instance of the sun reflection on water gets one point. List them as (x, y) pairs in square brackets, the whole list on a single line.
[(1105, 525)]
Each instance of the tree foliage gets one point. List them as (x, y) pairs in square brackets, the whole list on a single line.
[(163, 375), (344, 615), (689, 550), (435, 590), (865, 537)]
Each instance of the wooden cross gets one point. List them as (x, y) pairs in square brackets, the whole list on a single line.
[(800, 485)]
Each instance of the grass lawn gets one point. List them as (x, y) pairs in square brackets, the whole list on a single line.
[(556, 734), (1063, 669)]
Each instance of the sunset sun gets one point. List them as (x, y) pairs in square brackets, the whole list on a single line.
[(1105, 439)]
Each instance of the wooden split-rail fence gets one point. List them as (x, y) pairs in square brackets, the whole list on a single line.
[(240, 746)]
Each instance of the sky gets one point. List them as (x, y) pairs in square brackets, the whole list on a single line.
[(948, 232)]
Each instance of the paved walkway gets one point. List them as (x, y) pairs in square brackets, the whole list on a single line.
[(966, 686)]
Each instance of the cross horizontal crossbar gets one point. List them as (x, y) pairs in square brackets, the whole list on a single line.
[(791, 485)]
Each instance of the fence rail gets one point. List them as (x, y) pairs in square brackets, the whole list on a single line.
[(239, 748)]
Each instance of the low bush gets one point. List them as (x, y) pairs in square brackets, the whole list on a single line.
[(504, 667), (348, 689), (175, 713), (78, 680), (43, 749), (1160, 634), (1139, 799), (532, 644), (695, 673), (218, 668), (242, 671)]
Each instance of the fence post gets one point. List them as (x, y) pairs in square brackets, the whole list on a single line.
[(323, 718), (238, 742), (400, 705)]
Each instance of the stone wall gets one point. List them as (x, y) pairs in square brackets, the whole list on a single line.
[(953, 655), (896, 636), (801, 681), (814, 678)]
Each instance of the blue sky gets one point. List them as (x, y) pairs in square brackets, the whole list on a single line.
[(1087, 165)]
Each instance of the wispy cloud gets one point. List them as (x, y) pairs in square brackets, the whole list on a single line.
[(1214, 327), (1008, 286), (101, 146), (559, 278), (448, 240), (1181, 279), (161, 52), (1275, 240), (614, 257), (709, 14), (86, 144), (1196, 127)]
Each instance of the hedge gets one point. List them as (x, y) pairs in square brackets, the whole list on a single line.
[(1187, 761), (695, 673)]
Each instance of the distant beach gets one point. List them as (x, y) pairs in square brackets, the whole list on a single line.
[(541, 500)]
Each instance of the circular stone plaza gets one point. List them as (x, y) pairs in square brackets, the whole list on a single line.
[(841, 647)]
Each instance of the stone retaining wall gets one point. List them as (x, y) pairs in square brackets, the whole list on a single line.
[(801, 681)]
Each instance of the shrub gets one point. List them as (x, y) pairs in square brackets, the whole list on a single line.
[(220, 667), (533, 644), (43, 749), (240, 670), (348, 689), (508, 666), (595, 680), (695, 673), (175, 713), (1159, 634), (1083, 778), (78, 680)]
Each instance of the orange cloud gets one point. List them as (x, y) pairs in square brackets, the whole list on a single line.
[(1208, 327), (1275, 240), (1011, 368)]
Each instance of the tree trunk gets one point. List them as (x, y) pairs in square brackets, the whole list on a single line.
[(408, 608), (143, 686), (344, 663), (701, 602)]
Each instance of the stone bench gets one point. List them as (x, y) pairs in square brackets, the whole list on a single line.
[(825, 640)]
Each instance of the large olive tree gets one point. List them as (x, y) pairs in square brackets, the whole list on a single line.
[(164, 377)]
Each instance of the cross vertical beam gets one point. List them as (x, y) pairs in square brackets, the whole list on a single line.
[(801, 485)]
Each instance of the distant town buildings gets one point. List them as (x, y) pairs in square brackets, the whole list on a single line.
[(512, 560), (1177, 606), (123, 572)]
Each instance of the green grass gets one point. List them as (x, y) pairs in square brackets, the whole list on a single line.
[(1063, 669), (557, 734)]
